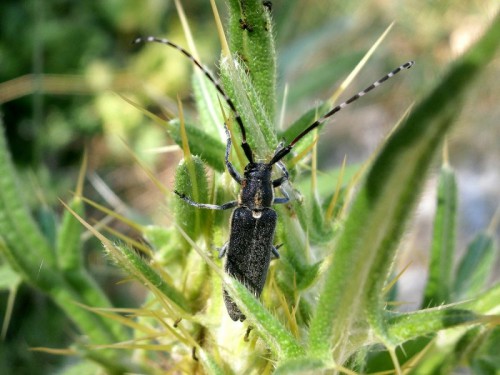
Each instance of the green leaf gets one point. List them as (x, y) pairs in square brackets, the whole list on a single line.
[(294, 261), (320, 231), (201, 144), (454, 348), (207, 104), (486, 359), (140, 269), (252, 41), (71, 265), (29, 254), (164, 242), (475, 267), (210, 364), (260, 130), (191, 180), (485, 303), (26, 249), (407, 326), (439, 284), (464, 344), (35, 262), (47, 222), (69, 244)]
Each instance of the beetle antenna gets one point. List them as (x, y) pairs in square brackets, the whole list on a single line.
[(281, 153), (244, 144)]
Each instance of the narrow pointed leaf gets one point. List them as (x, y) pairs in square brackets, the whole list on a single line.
[(252, 41), (207, 147), (407, 326), (475, 267), (26, 249), (71, 264), (191, 180), (439, 283), (207, 104), (69, 244), (139, 268)]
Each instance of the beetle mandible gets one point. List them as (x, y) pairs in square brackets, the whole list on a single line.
[(253, 221)]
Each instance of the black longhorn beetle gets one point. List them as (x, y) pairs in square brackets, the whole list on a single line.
[(253, 221)]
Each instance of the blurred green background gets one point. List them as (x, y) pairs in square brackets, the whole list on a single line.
[(63, 62)]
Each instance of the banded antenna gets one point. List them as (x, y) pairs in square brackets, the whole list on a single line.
[(244, 145), (281, 152)]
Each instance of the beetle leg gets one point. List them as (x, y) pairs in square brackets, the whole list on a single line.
[(279, 181), (275, 252), (281, 200), (284, 199), (223, 250), (225, 206), (230, 168)]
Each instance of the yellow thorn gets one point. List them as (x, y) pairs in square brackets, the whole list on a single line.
[(360, 65), (220, 30)]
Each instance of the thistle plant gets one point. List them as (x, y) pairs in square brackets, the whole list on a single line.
[(327, 305)]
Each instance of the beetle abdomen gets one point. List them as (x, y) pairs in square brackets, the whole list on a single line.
[(249, 251)]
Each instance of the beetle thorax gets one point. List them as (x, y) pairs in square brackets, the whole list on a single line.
[(257, 190)]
